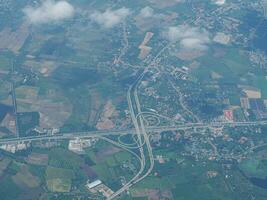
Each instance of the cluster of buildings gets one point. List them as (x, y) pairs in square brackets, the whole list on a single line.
[(13, 148), (180, 73), (98, 187), (256, 105), (49, 131), (222, 38), (258, 58), (229, 115), (77, 145)]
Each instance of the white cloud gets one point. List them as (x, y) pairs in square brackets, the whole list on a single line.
[(188, 37), (146, 12), (49, 11), (219, 2), (110, 18)]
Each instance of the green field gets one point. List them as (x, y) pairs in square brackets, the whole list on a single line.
[(58, 179), (59, 185), (53, 172), (4, 89), (254, 167), (4, 164), (104, 171), (237, 62), (63, 158), (153, 182), (5, 63), (230, 67), (261, 83), (8, 189)]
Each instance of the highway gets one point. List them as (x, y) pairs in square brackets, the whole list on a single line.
[(86, 134), (139, 142), (14, 100), (150, 129), (141, 131)]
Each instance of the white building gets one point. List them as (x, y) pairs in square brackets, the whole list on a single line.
[(93, 184), (77, 145)]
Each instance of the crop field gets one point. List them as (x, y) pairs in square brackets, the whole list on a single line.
[(27, 92), (4, 164), (237, 61), (54, 109), (59, 185), (8, 189), (58, 179), (62, 158), (25, 178), (5, 63), (37, 159), (261, 82), (4, 90)]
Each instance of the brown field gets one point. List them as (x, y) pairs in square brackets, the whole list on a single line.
[(144, 49), (96, 102), (14, 40), (105, 125), (105, 121), (25, 178), (53, 114), (9, 123), (37, 159), (144, 52), (252, 93), (27, 92), (109, 110), (147, 38), (105, 152), (153, 194), (90, 173), (53, 108)]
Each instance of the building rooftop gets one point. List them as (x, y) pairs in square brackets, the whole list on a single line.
[(93, 184)]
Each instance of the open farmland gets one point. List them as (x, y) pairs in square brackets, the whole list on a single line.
[(58, 179), (25, 178)]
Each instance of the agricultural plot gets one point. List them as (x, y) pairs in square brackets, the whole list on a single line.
[(5, 88), (25, 178), (4, 163), (58, 179), (37, 159), (5, 64), (53, 108)]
